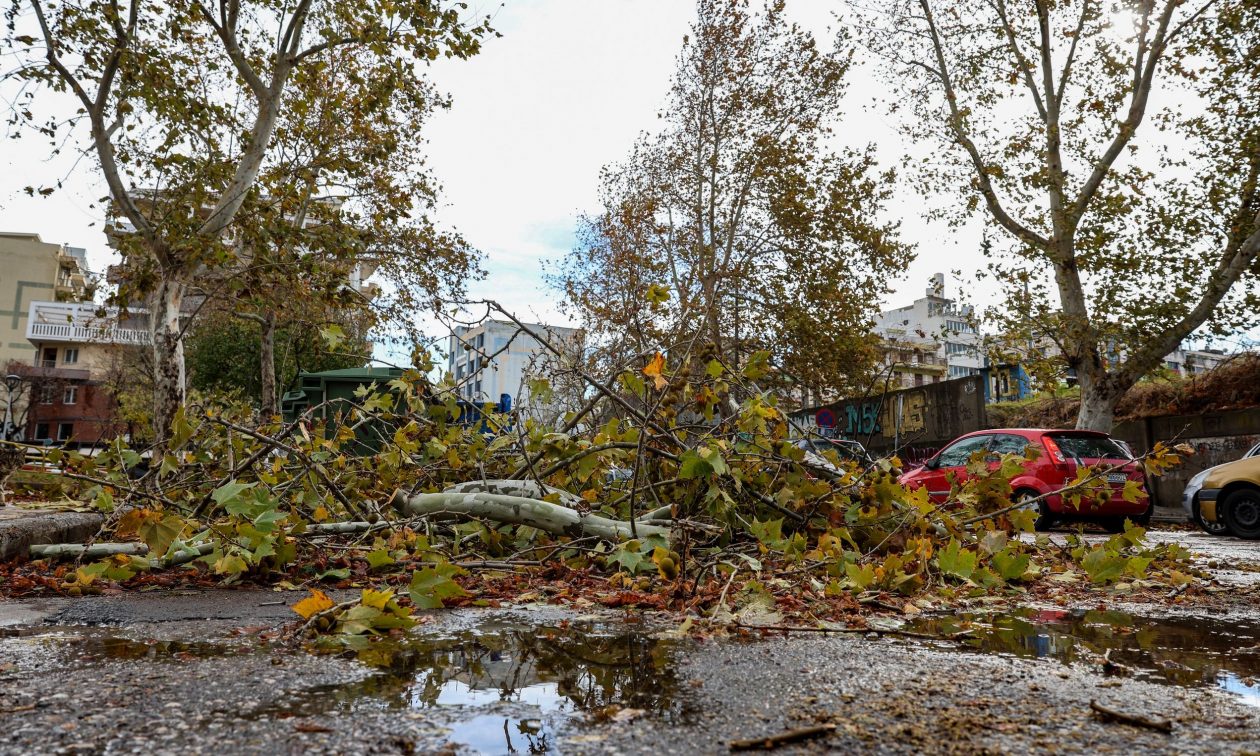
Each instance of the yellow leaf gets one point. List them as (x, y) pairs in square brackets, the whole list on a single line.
[(655, 369), (376, 599), (320, 514), (313, 604)]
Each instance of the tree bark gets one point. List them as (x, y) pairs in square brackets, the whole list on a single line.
[(168, 355), (267, 360), (518, 510), (1098, 401), (85, 551)]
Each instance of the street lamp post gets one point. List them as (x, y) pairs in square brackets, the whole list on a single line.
[(11, 383)]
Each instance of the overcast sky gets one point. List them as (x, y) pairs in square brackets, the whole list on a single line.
[(567, 89)]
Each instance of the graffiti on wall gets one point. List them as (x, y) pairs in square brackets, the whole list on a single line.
[(911, 421)]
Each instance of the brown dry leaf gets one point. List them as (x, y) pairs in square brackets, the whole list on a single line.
[(655, 369), (313, 604)]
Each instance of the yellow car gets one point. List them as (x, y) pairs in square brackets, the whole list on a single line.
[(1227, 497)]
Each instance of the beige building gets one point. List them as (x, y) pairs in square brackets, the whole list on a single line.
[(906, 364), (30, 270), (79, 355)]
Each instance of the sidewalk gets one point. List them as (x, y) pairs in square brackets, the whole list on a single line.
[(21, 528)]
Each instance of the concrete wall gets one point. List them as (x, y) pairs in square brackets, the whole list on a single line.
[(915, 423), (1218, 437)]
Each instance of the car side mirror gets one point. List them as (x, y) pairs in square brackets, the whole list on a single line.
[(932, 463)]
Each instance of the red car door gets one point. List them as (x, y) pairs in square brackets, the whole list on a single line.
[(952, 461)]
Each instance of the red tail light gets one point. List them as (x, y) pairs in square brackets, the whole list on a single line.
[(1053, 449)]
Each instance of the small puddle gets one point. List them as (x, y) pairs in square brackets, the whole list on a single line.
[(506, 688), (45, 648), (1187, 651)]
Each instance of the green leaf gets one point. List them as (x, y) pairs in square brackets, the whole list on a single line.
[(229, 492), (230, 565), (159, 533), (629, 557), (1103, 567), (378, 559), (768, 533), (757, 366), (333, 336), (691, 465), (957, 561), (860, 577), (1010, 566), (432, 586)]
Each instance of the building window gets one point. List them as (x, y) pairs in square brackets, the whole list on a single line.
[(41, 431), (65, 431), (49, 357), (70, 395), (70, 356), (46, 394)]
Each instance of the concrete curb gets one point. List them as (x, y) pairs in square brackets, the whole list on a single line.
[(20, 529), (1169, 514)]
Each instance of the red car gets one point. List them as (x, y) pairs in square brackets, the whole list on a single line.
[(1062, 453)]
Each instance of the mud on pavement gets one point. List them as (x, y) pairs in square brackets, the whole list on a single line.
[(163, 673)]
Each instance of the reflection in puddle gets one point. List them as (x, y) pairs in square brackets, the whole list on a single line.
[(1186, 651), (508, 687)]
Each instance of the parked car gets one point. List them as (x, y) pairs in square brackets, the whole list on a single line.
[(1063, 452), (816, 447), (1226, 498)]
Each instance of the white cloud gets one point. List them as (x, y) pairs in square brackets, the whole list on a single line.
[(566, 90)]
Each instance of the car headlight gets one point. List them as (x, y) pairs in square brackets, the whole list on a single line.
[(1197, 481)]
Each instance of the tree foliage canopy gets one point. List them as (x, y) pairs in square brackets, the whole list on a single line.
[(195, 110), (739, 221), (1115, 145)]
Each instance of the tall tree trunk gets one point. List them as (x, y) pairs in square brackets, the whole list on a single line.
[(168, 355), (1099, 396), (267, 359)]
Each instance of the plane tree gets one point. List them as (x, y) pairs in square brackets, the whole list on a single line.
[(741, 224), (1112, 144), (178, 104)]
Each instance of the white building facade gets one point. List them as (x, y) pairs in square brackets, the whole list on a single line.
[(496, 358), (938, 325)]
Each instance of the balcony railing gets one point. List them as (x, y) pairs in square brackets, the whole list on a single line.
[(32, 372), (87, 334)]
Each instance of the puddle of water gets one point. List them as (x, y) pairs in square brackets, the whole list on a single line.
[(94, 648), (1187, 651), (503, 688)]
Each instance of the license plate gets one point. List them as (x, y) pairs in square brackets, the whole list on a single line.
[(1117, 477)]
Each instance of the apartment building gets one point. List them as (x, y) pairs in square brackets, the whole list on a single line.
[(1186, 362), (911, 363), (937, 327), (34, 270), (79, 350), (493, 358)]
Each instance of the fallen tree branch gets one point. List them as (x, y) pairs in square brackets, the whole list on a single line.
[(1107, 714), (520, 510), (781, 738), (85, 551), (183, 555), (529, 489)]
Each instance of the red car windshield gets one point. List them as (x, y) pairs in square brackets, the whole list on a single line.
[(1089, 447)]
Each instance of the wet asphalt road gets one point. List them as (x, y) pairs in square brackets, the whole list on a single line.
[(187, 672)]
